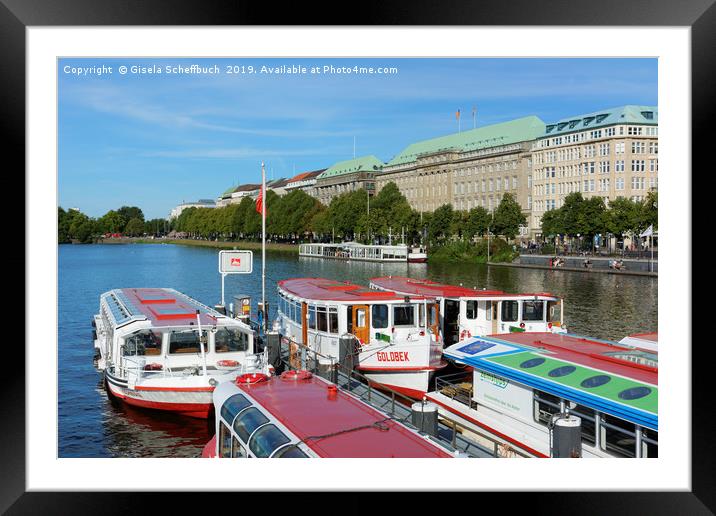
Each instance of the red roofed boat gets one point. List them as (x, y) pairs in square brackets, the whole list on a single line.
[(398, 339), (299, 415), (161, 349), (468, 312)]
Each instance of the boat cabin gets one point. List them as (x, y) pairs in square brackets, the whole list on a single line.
[(299, 415), (467, 312), (516, 384)]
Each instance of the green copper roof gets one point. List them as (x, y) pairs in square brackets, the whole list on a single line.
[(362, 164), (620, 115), (229, 191), (519, 130)]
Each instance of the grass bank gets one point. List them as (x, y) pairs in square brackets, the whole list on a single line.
[(244, 245), (467, 252)]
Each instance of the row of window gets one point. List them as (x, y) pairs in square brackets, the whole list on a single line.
[(463, 188), (149, 342), (321, 318), (599, 133), (590, 167)]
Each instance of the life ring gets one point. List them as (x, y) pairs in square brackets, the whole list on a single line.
[(227, 363), (251, 378), (296, 375), (153, 367), (465, 334)]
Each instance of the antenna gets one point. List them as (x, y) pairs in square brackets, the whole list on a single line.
[(354, 147)]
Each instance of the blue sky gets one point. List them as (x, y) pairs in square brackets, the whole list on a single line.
[(155, 140)]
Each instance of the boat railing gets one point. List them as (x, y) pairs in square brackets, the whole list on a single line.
[(458, 387), (451, 432)]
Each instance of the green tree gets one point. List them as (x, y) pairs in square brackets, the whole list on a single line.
[(509, 217), (478, 220), (112, 222), (648, 213), (440, 223), (135, 227), (131, 212), (552, 223)]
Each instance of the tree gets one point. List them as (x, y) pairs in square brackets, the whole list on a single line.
[(509, 217), (478, 219), (112, 222), (440, 223), (552, 223), (648, 213), (135, 227), (622, 216), (131, 212), (572, 218)]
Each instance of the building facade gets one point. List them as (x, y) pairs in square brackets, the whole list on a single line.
[(610, 153), (467, 169), (201, 203), (347, 176), (304, 181)]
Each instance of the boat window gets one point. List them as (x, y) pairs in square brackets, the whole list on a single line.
[(432, 315), (509, 311), (290, 452), (312, 317), (230, 339), (488, 310), (404, 315), (224, 441), (237, 450), (553, 311), (248, 421), (143, 342), (322, 319), (587, 416), (233, 406), (545, 405), (651, 439), (266, 440), (533, 310), (618, 436), (379, 313), (471, 309), (333, 319), (186, 341), (421, 315)]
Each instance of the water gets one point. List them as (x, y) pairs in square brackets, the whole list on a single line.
[(607, 306)]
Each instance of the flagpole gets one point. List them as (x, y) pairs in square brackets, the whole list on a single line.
[(263, 246)]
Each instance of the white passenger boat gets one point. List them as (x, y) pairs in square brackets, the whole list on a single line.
[(399, 343), (520, 385), (161, 349), (469, 312), (299, 415), (363, 252)]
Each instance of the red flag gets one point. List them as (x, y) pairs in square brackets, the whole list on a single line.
[(260, 201), (457, 114)]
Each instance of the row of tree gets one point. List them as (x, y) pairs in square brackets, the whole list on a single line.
[(73, 225), (588, 217)]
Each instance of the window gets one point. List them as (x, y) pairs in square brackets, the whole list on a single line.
[(554, 312), (380, 316), (545, 406), (186, 341), (143, 342), (229, 339), (290, 452), (312, 317), (533, 310), (322, 318), (404, 315), (509, 311), (471, 309), (224, 441), (237, 450), (266, 439), (248, 421), (233, 406), (618, 436), (333, 319)]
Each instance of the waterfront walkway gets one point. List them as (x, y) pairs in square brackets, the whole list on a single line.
[(597, 264)]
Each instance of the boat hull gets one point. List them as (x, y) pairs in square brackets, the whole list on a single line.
[(412, 383), (418, 259)]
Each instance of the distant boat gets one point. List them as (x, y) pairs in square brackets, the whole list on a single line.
[(362, 252)]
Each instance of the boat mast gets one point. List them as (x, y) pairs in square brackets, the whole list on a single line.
[(263, 247), (201, 343)]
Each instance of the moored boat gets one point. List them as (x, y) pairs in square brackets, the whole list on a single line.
[(468, 312), (161, 349), (299, 415), (348, 251), (521, 386), (397, 340)]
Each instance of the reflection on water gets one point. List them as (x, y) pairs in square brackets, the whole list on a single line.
[(607, 306)]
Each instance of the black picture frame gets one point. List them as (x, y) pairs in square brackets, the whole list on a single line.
[(700, 15)]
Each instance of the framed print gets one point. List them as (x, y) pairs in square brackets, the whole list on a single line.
[(145, 127)]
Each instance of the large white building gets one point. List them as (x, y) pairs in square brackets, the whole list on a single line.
[(201, 203)]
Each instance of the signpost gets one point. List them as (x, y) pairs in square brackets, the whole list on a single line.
[(234, 262)]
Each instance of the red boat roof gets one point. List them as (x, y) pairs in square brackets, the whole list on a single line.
[(166, 307), (612, 357), (425, 287), (322, 289), (307, 410)]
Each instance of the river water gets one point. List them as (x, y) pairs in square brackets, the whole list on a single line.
[(607, 306)]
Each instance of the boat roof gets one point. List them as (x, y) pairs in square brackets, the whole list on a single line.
[(161, 306), (648, 341), (600, 374), (305, 408), (425, 287), (322, 289)]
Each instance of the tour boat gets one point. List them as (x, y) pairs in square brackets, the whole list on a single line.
[(398, 340), (362, 252), (649, 341), (299, 415), (516, 386), (469, 312), (161, 349)]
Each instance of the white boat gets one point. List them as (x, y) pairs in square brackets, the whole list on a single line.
[(518, 388), (300, 415), (161, 349), (398, 339), (469, 312), (400, 253)]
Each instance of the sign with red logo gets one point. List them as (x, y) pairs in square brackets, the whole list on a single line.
[(236, 262)]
